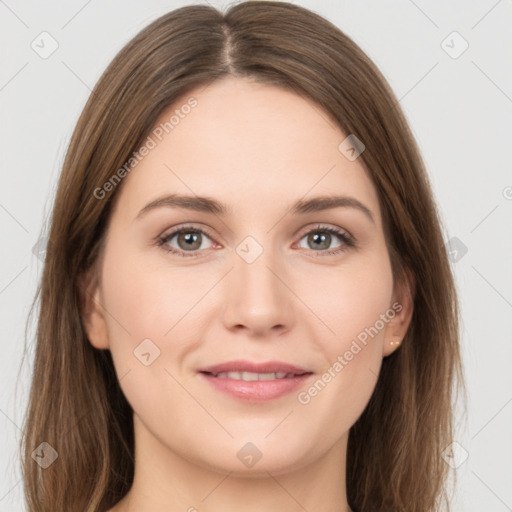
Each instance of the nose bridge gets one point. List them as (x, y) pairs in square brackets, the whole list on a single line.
[(257, 297)]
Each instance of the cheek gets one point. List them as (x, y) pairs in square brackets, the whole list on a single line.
[(147, 300), (349, 299), (152, 326), (354, 305)]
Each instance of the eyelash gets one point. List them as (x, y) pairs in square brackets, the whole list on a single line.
[(344, 237)]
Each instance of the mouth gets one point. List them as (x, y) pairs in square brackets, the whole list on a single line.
[(255, 382), (253, 376)]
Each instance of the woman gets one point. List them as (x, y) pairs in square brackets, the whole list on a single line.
[(246, 301)]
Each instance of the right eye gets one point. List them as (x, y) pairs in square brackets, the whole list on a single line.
[(189, 240)]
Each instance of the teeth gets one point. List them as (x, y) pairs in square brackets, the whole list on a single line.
[(251, 376)]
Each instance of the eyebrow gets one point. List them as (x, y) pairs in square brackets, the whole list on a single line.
[(210, 205)]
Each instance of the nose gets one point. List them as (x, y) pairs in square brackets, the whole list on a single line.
[(258, 299)]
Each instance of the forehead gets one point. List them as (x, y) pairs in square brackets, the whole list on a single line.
[(247, 144)]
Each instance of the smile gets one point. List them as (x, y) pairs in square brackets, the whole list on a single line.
[(255, 388), (252, 376)]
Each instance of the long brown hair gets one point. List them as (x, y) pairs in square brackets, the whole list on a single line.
[(394, 458)]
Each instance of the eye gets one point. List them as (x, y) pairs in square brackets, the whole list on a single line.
[(321, 238), (188, 239)]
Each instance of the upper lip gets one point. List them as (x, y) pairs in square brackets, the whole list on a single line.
[(248, 366)]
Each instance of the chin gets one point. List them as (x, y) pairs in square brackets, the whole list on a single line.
[(254, 459)]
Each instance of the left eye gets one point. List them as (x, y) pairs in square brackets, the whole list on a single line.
[(321, 238)]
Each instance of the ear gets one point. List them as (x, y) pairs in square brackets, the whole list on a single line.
[(403, 305), (92, 311)]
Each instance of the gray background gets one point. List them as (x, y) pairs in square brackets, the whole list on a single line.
[(460, 111)]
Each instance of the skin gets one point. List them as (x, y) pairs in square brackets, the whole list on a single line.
[(257, 148)]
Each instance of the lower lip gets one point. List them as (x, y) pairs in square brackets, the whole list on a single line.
[(257, 391)]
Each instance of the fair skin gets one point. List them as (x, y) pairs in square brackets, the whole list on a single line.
[(258, 149)]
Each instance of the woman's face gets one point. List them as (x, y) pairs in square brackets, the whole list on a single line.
[(260, 279)]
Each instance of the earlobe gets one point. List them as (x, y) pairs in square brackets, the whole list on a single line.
[(92, 311), (397, 327)]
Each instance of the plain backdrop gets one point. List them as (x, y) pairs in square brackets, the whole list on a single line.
[(449, 64)]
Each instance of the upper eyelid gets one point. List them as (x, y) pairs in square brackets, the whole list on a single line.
[(175, 231)]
